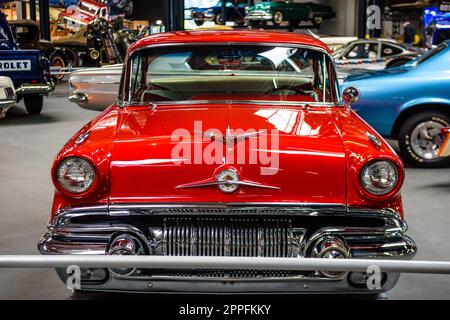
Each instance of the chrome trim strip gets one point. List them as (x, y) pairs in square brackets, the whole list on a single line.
[(265, 208), (221, 183), (228, 102)]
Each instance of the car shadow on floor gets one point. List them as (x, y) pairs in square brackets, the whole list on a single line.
[(17, 115), (218, 298)]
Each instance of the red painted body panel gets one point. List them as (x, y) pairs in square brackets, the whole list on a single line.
[(209, 37), (310, 152), (321, 149)]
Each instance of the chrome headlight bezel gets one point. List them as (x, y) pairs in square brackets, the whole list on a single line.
[(370, 173), (86, 171)]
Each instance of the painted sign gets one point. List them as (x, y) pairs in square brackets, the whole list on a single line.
[(444, 6), (15, 65)]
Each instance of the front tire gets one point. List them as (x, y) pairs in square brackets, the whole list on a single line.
[(60, 62), (420, 139), (199, 23), (278, 18), (255, 23), (218, 19), (317, 22), (34, 103)]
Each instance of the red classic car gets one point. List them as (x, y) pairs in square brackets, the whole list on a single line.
[(230, 144)]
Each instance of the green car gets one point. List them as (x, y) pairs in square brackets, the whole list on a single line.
[(280, 11)]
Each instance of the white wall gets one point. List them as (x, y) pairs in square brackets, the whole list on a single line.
[(345, 23)]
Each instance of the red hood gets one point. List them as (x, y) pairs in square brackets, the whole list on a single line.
[(311, 155)]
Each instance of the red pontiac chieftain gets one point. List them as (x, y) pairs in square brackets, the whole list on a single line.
[(229, 144)]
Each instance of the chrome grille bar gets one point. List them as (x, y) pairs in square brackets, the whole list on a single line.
[(227, 237)]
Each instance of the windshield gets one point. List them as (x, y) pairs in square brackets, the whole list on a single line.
[(231, 72)]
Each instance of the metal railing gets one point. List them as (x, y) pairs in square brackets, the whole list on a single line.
[(224, 263)]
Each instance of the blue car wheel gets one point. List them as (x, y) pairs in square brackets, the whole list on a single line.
[(420, 139)]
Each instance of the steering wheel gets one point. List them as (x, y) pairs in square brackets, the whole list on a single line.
[(297, 90)]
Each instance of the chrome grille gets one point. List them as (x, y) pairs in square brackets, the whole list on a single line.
[(228, 274), (227, 237), (9, 92)]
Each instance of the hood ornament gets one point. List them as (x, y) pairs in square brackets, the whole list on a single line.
[(228, 181)]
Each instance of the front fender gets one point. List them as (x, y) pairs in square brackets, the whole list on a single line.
[(423, 101)]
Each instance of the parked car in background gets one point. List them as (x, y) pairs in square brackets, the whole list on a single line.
[(410, 103), (444, 152), (335, 43), (198, 15), (95, 88), (7, 95), (122, 187), (28, 36), (293, 12), (436, 26), (374, 54), (234, 12), (62, 3), (99, 43), (85, 11), (29, 70)]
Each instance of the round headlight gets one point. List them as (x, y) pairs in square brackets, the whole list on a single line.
[(379, 177), (75, 175)]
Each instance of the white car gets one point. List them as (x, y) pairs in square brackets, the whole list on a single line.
[(335, 43), (95, 88), (374, 54), (8, 96)]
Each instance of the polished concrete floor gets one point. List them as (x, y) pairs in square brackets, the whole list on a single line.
[(29, 143)]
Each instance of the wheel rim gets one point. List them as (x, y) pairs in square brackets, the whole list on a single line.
[(426, 139), (219, 19), (278, 17), (58, 62)]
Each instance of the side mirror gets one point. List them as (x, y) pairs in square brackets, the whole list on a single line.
[(351, 95)]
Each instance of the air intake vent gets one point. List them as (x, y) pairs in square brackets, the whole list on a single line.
[(9, 92)]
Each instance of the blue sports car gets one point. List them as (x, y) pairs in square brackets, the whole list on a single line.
[(410, 104)]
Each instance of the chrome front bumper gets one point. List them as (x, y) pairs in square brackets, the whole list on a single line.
[(369, 234), (209, 16), (40, 88), (6, 104), (260, 15)]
